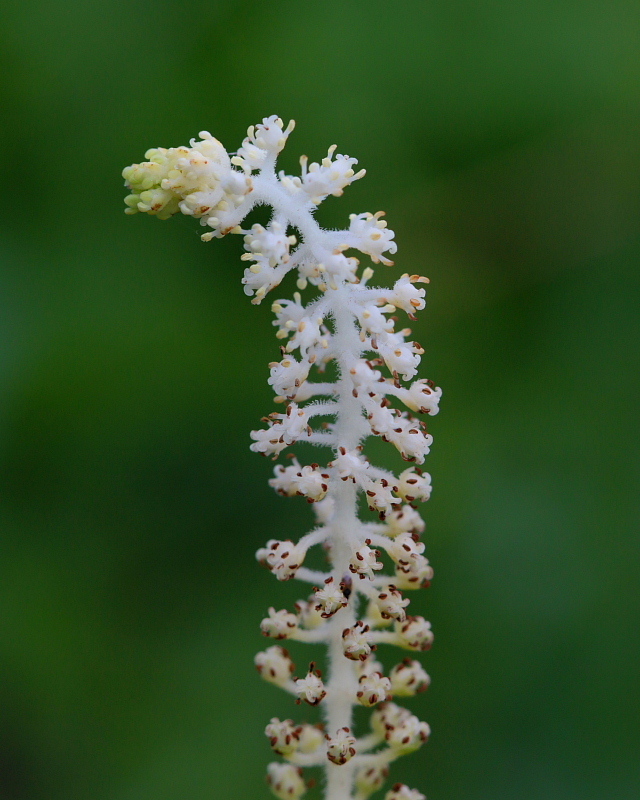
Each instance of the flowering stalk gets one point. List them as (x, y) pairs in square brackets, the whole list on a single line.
[(352, 607)]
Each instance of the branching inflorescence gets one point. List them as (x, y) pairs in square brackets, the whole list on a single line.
[(352, 607)]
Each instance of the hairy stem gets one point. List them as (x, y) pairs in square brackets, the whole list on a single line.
[(343, 681)]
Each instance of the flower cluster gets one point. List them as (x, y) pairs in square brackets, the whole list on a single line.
[(353, 607)]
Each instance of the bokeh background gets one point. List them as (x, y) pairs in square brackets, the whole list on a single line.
[(502, 140)]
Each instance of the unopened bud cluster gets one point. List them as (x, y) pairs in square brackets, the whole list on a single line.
[(353, 607)]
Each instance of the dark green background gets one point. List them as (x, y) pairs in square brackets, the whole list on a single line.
[(501, 138)]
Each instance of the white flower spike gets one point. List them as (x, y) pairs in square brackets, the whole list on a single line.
[(351, 325)]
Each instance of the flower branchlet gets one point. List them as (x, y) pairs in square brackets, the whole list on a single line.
[(376, 393)]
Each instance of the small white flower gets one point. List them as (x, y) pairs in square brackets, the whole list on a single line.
[(271, 135), (267, 441), (309, 269), (402, 792), (414, 574), (312, 482), (382, 419), (404, 294), (279, 624), (329, 599), (392, 604), (199, 204), (284, 430), (288, 375), (350, 464), (309, 481), (404, 548), (275, 665), (337, 267), (373, 321), (415, 633), (263, 140), (364, 561), (403, 520), (288, 313), (309, 335), (422, 396), (408, 678), (413, 485), (285, 781), (368, 667), (379, 494), (295, 423), (283, 558), (306, 329), (310, 738), (369, 779), (407, 736), (272, 242), (365, 376), (283, 736), (401, 357), (310, 688), (329, 177), (372, 689), (250, 156), (261, 278), (356, 642), (374, 618), (410, 438), (388, 715), (341, 747), (308, 615), (371, 236), (284, 481)]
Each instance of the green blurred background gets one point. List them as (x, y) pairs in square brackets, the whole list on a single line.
[(501, 138)]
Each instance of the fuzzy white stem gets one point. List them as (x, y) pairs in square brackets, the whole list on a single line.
[(343, 681), (348, 431)]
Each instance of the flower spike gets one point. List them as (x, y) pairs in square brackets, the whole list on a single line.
[(350, 324)]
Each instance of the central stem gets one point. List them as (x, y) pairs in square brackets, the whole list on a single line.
[(350, 428), (345, 539)]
